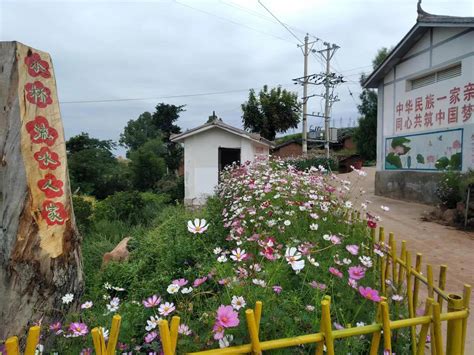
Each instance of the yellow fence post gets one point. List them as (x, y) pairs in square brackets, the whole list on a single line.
[(12, 346), (174, 332), (253, 332), (416, 281), (375, 344), (401, 269), (437, 341), (258, 314), (387, 333), (425, 327), (114, 334), (411, 309), (393, 253), (165, 337), (383, 261), (454, 334), (429, 277), (327, 326), (32, 340), (442, 284), (99, 342), (467, 300)]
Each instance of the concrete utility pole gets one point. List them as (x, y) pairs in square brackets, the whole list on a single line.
[(327, 54)]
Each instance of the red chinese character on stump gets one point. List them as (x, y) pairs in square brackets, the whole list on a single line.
[(454, 95), (38, 94), (467, 112), (409, 106), (399, 124), (418, 104), (440, 117), (47, 159), (429, 102), (453, 114), (53, 212), (41, 132), (51, 186), (37, 66), (399, 108), (429, 119), (408, 123), (468, 92), (417, 121)]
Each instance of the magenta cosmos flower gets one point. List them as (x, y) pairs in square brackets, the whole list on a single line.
[(150, 337), (356, 272), (335, 272), (199, 281), (277, 289), (78, 329), (152, 301), (180, 282), (227, 317), (369, 294), (353, 249)]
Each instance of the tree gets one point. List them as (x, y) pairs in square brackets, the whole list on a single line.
[(365, 135), (271, 112), (148, 164), (93, 168)]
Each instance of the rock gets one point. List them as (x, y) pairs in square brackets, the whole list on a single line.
[(119, 253), (450, 216), (461, 207)]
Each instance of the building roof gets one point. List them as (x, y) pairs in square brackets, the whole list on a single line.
[(218, 123), (424, 22)]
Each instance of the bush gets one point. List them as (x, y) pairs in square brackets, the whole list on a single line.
[(83, 209), (132, 207), (452, 187), (306, 163), (172, 186)]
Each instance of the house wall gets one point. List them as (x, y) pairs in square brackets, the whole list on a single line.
[(416, 139), (290, 150), (201, 161)]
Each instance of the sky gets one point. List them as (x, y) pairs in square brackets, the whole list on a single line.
[(203, 54)]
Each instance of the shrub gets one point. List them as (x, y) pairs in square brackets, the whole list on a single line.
[(130, 206), (452, 187), (306, 163), (83, 209)]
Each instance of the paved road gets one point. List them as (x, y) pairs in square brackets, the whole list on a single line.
[(439, 244)]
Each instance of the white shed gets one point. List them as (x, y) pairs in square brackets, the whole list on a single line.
[(211, 147)]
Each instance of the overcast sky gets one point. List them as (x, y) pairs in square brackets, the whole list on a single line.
[(107, 50)]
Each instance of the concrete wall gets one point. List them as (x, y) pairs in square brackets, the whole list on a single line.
[(201, 161), (438, 49)]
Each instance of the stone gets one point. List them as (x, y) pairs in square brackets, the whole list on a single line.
[(119, 253), (450, 216)]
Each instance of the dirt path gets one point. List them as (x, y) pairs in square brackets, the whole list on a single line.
[(438, 244)]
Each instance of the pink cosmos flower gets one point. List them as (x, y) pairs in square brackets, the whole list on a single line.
[(338, 326), (335, 272), (184, 329), (353, 249), (352, 283), (227, 317), (56, 327), (78, 329), (277, 289), (335, 239), (371, 224), (180, 282), (356, 272), (218, 331), (166, 308), (199, 281), (318, 285), (152, 301), (369, 293), (150, 337)]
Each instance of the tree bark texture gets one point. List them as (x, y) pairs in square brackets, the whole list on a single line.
[(40, 255)]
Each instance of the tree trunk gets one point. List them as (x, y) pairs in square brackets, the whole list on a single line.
[(40, 255)]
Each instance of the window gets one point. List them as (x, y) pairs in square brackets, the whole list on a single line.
[(434, 77)]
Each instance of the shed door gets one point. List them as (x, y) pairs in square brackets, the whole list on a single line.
[(227, 156)]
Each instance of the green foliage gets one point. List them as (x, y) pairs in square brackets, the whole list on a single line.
[(93, 169), (365, 135), (148, 165), (448, 190), (131, 207), (400, 142), (172, 186), (271, 112), (287, 138), (83, 209), (306, 163)]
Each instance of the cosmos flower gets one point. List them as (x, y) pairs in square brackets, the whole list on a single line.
[(353, 249), (87, 305), (369, 293), (152, 301), (238, 302), (78, 329), (67, 298), (227, 317), (356, 272), (198, 226), (166, 308), (293, 257)]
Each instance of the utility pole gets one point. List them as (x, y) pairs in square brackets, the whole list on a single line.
[(327, 54), (306, 49)]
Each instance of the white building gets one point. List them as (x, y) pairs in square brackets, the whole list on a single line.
[(208, 149), (425, 118)]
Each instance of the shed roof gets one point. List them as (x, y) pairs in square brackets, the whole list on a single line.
[(424, 22), (218, 123)]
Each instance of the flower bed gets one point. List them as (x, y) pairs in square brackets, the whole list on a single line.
[(274, 234)]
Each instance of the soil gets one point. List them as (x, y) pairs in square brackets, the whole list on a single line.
[(438, 243)]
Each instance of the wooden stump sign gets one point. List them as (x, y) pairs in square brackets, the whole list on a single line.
[(40, 257)]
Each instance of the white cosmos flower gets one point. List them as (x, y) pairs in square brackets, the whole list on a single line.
[(314, 226), (287, 222), (172, 289), (198, 227), (225, 341), (186, 290), (67, 298), (293, 257), (238, 302), (348, 204), (238, 255), (366, 261), (360, 324), (217, 251), (152, 323), (312, 261), (222, 259), (259, 282)]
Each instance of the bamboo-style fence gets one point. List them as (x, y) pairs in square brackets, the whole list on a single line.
[(401, 273)]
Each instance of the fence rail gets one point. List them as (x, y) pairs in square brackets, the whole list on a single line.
[(397, 271)]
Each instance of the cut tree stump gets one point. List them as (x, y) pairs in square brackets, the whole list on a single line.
[(40, 254)]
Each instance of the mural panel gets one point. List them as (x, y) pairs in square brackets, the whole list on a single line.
[(426, 151)]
